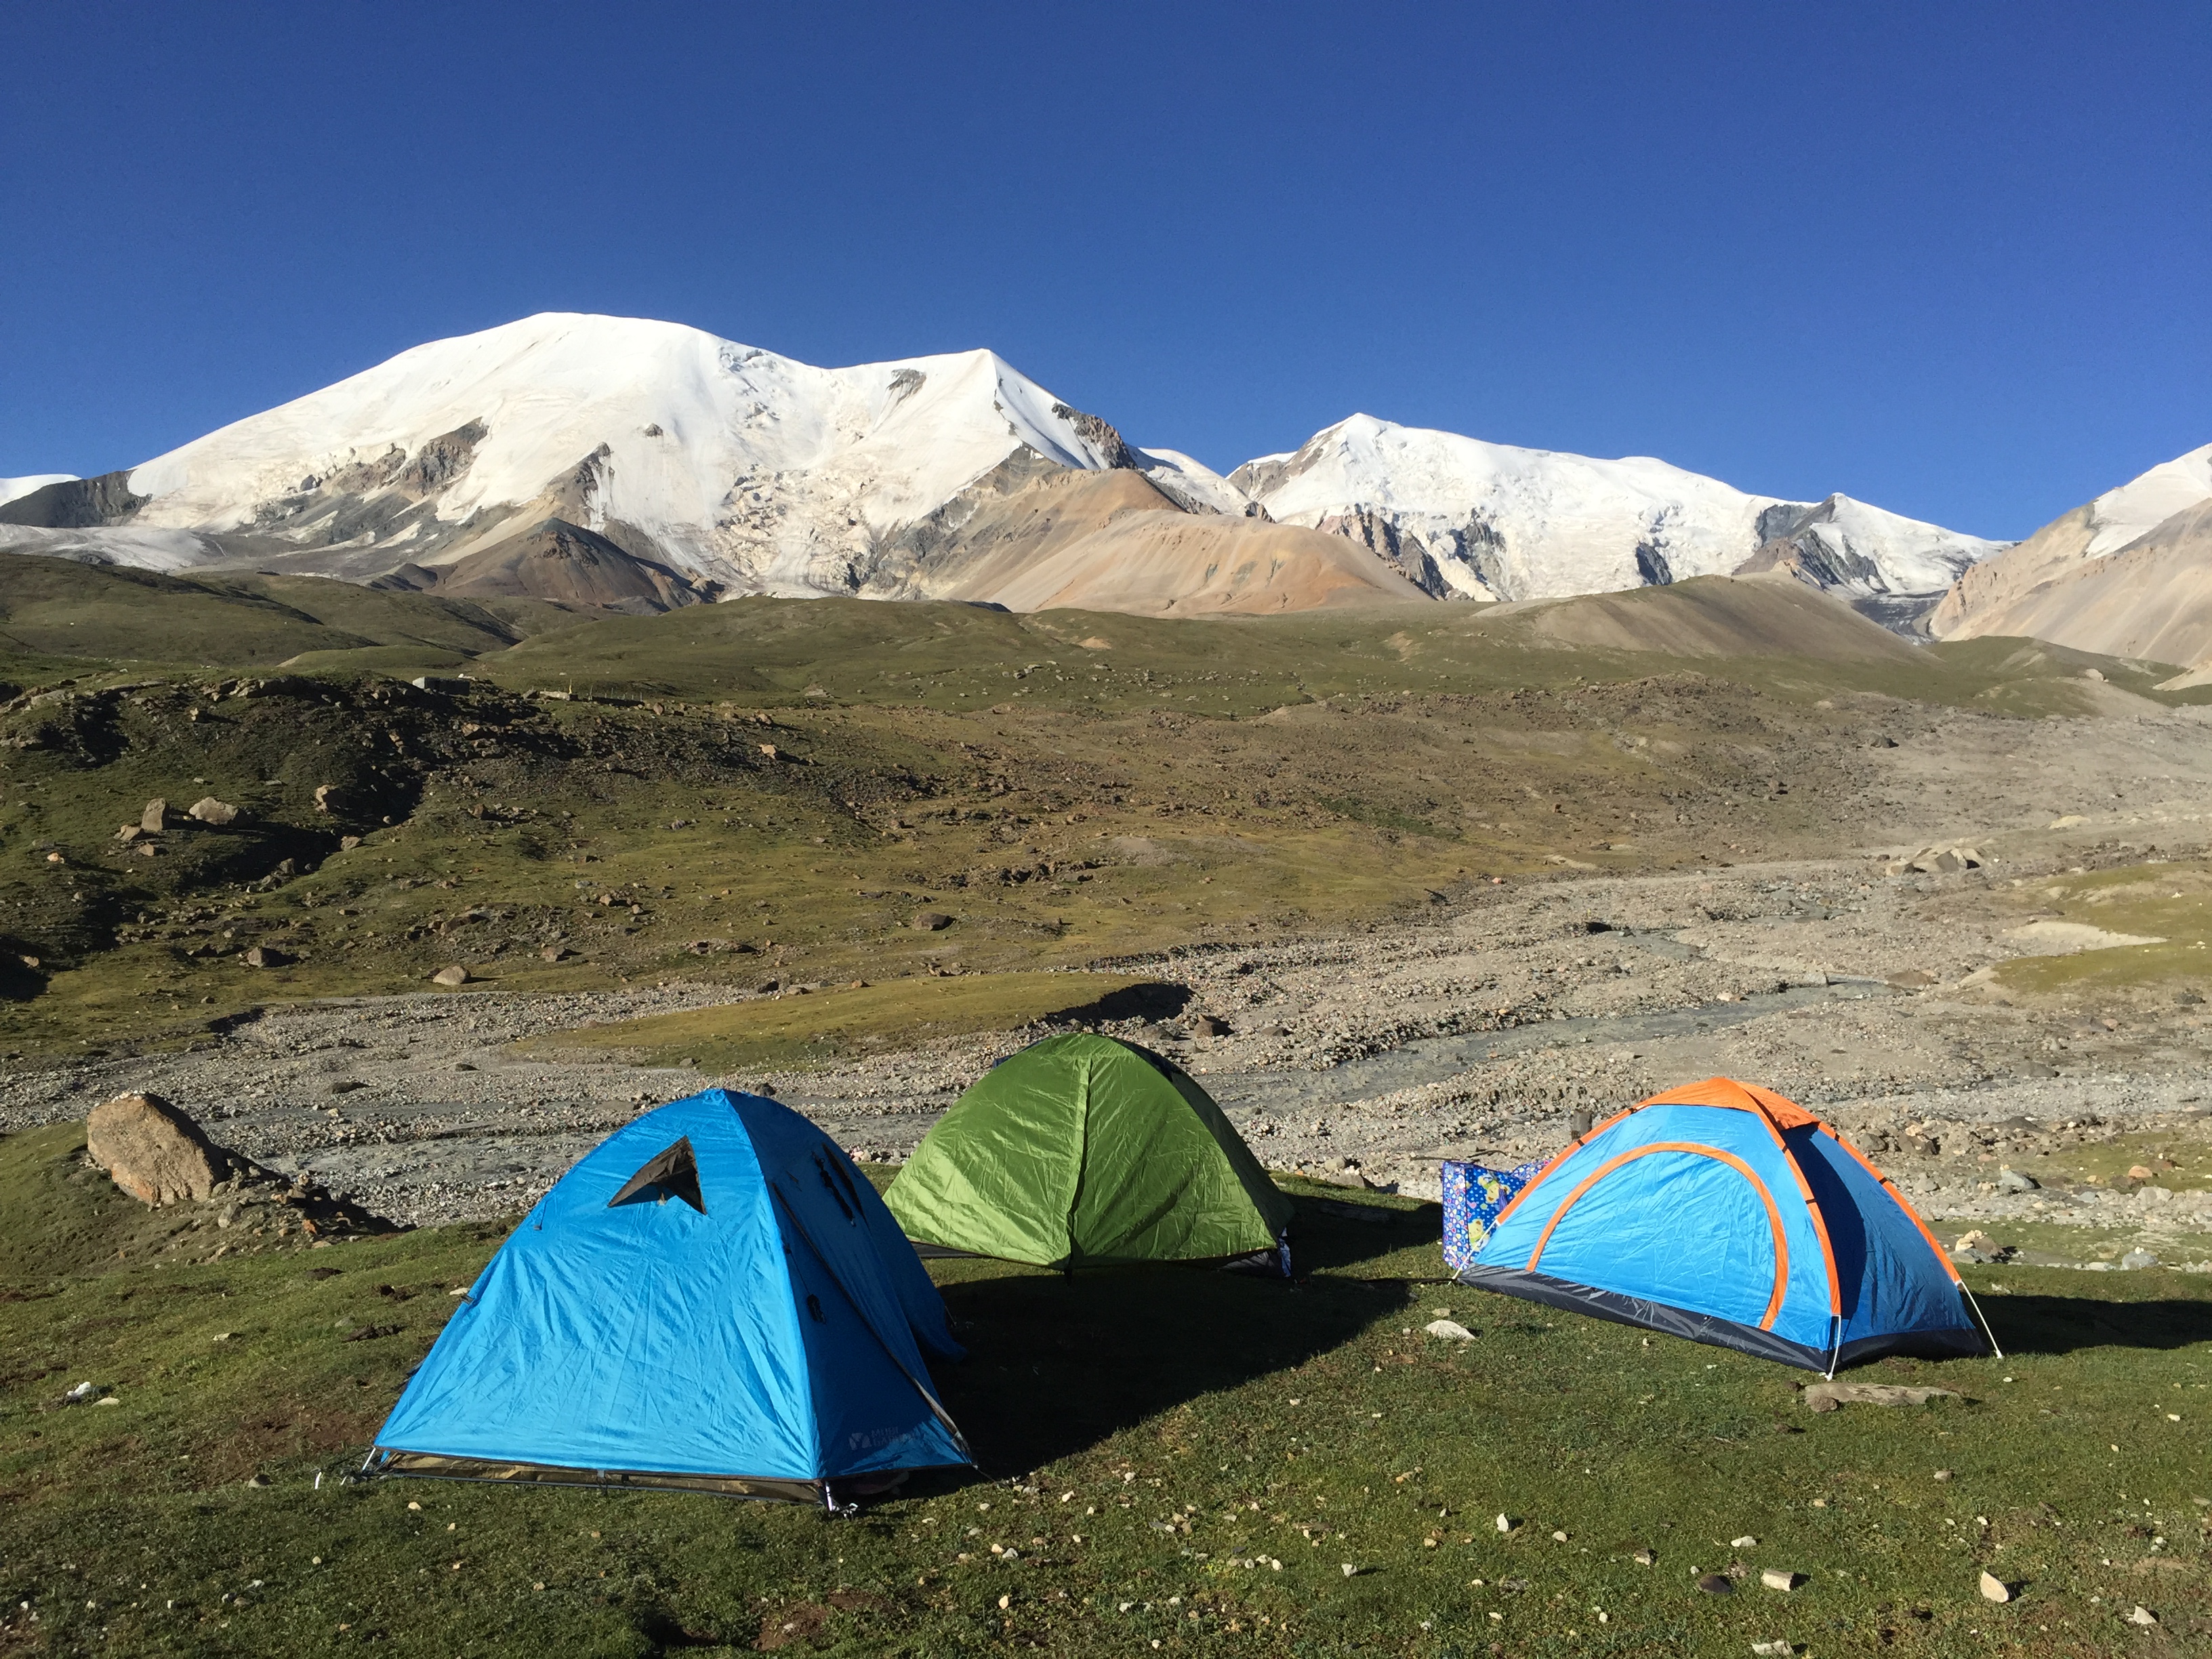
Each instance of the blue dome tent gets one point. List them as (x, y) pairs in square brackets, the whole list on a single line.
[(1722, 1212), (712, 1299)]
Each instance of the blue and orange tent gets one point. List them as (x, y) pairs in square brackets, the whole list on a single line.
[(1722, 1212), (712, 1299)]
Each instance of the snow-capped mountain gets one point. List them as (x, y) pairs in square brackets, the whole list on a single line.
[(1488, 520), (730, 464), (522, 454)]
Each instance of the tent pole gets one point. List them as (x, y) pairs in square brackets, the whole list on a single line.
[(1837, 1351), (1982, 1319)]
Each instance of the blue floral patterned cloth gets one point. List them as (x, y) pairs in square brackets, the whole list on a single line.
[(1473, 1196)]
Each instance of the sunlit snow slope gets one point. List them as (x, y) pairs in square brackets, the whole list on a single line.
[(1495, 521), (11, 488), (732, 464)]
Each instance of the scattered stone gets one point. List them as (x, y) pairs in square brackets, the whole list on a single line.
[(1644, 1558), (1449, 1328), (1274, 1031), (208, 810), (331, 798), (2185, 998), (2137, 1258), (1745, 1542), (2012, 1181), (1828, 1396), (129, 832), (1717, 1584), (1209, 1025), (1772, 1650), (1775, 1578), (455, 974), (555, 952), (931, 921), (266, 956), (1350, 1571), (1507, 1523), (2137, 1172), (155, 818), (80, 1395), (152, 1151), (1994, 1589), (347, 843), (1942, 1474), (2142, 1615)]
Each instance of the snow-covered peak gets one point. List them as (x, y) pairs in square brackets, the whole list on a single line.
[(1910, 555), (1191, 482), (741, 464), (15, 488), (1499, 521), (2119, 515), (1505, 522)]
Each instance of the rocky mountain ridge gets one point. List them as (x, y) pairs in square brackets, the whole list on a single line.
[(612, 462)]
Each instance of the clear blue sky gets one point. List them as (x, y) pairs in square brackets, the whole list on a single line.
[(1954, 259)]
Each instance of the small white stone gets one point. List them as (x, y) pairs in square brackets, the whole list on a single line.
[(1745, 1542), (1506, 1523), (1993, 1588)]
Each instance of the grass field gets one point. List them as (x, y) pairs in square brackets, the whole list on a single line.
[(1175, 1457), (773, 788)]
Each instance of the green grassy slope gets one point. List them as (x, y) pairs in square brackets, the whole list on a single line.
[(1152, 1446), (774, 788)]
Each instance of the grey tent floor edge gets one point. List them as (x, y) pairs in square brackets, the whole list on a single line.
[(1965, 1343), (435, 1467)]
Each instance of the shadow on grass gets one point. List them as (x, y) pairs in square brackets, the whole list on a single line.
[(1335, 1235), (2066, 1324), (1057, 1364)]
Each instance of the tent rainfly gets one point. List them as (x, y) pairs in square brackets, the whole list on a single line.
[(1083, 1151), (712, 1299), (1725, 1214)]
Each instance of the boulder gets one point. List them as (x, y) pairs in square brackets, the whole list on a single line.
[(156, 817), (208, 810), (266, 956), (931, 921), (331, 798), (2012, 1181), (152, 1151), (455, 974)]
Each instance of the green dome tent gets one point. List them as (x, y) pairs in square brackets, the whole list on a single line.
[(1084, 1151)]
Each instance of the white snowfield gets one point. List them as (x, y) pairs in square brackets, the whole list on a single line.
[(1192, 483), (2120, 516), (768, 475), (1507, 522), (740, 465), (11, 489), (1912, 557)]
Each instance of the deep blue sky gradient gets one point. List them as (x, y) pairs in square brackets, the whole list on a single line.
[(1953, 259)]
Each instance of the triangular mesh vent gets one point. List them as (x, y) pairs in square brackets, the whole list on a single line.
[(670, 1174)]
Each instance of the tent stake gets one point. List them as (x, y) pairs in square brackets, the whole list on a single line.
[(1982, 1318)]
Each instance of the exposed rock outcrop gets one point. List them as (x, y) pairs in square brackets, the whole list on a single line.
[(152, 1151), (77, 504)]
